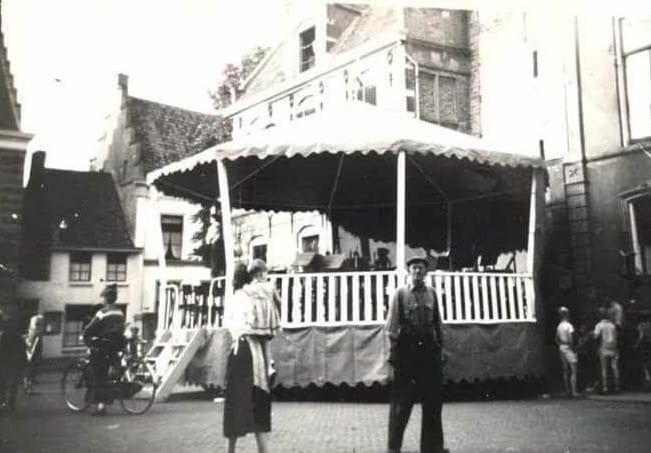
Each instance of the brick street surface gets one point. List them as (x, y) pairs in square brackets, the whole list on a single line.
[(193, 423)]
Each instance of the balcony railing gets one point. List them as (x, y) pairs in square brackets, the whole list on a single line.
[(361, 298)]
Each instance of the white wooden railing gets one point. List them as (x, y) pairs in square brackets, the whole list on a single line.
[(193, 305), (359, 298)]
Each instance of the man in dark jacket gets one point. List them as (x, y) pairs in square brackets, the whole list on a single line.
[(414, 328), (105, 336), (13, 357)]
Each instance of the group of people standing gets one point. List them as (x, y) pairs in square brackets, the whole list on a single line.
[(608, 335)]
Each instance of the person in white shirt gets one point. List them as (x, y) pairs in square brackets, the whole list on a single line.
[(565, 342), (606, 332)]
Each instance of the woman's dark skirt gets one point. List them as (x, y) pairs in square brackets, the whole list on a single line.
[(247, 409)]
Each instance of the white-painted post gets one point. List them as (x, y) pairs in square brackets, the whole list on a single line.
[(162, 265), (401, 211), (227, 230), (531, 243)]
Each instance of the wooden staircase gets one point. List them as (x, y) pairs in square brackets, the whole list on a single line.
[(171, 354)]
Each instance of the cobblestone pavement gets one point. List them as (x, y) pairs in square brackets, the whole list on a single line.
[(192, 423)]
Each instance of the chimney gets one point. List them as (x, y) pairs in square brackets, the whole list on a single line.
[(37, 167), (123, 83)]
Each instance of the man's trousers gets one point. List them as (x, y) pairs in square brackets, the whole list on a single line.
[(422, 384)]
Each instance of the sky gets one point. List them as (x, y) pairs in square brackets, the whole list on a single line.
[(65, 56)]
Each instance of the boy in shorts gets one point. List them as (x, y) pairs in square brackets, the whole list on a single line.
[(606, 332), (565, 342)]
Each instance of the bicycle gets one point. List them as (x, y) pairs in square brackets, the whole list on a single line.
[(131, 381)]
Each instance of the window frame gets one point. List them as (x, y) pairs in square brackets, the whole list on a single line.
[(68, 333), (306, 61), (255, 243), (308, 232), (624, 56), (113, 275), (75, 268), (640, 265), (168, 227)]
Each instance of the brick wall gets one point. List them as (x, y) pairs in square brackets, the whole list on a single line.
[(444, 27), (474, 81)]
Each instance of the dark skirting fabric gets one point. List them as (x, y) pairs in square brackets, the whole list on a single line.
[(247, 409), (359, 354)]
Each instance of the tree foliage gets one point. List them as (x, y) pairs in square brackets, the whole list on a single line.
[(219, 131), (233, 76)]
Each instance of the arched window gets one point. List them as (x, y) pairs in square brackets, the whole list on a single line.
[(308, 239), (306, 106)]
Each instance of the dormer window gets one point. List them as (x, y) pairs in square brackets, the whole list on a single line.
[(306, 42)]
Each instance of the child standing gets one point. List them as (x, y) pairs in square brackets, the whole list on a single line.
[(264, 319), (565, 342), (606, 332)]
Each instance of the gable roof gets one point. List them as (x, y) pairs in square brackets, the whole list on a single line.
[(87, 202), (373, 21), (9, 106), (167, 133)]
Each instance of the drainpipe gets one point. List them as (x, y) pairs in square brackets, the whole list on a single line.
[(416, 98)]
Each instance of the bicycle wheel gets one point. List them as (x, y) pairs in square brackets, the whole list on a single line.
[(137, 387), (74, 387)]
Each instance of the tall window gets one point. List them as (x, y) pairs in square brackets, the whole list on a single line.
[(410, 88), (116, 267), (640, 216), (636, 47), (80, 266), (172, 227), (306, 42)]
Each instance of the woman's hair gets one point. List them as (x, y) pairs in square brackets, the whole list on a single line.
[(257, 266), (241, 276)]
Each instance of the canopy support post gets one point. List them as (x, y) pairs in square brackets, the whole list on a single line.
[(531, 242), (162, 263), (401, 210), (227, 230)]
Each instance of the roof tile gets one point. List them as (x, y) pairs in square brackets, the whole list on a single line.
[(167, 134), (86, 202)]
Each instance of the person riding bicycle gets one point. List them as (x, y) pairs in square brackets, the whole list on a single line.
[(104, 335)]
